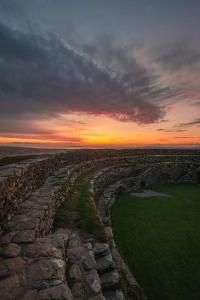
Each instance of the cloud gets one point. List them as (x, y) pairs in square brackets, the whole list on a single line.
[(187, 137), (170, 130), (179, 56), (195, 122), (43, 75)]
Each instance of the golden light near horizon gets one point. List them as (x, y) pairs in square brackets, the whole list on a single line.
[(87, 130)]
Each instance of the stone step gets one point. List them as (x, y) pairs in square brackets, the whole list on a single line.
[(109, 280), (105, 263), (101, 249), (114, 295)]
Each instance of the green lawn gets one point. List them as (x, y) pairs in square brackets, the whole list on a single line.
[(159, 238)]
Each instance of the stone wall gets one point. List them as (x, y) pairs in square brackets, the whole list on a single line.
[(37, 187), (110, 182), (18, 181), (150, 173)]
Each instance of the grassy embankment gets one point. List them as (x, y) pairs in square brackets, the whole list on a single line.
[(159, 238)]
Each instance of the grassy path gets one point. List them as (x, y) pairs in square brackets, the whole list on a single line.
[(159, 238), (79, 210)]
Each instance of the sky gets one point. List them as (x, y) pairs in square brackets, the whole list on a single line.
[(99, 73)]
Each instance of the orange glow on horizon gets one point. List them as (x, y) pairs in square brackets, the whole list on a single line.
[(87, 130)]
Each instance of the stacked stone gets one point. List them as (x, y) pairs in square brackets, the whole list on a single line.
[(92, 271), (18, 181), (35, 217), (34, 271), (104, 193), (32, 267)]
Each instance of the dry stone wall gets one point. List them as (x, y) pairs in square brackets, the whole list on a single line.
[(18, 181), (110, 182), (33, 261)]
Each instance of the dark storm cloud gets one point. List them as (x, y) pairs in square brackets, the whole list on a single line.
[(17, 47), (121, 60), (44, 75)]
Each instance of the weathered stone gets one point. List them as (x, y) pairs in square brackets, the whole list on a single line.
[(75, 272), (88, 246), (26, 236), (10, 287), (10, 266), (109, 232), (43, 272), (30, 295), (12, 250), (20, 180), (59, 239), (42, 249), (60, 292), (77, 254), (93, 282), (109, 280), (7, 238), (89, 263), (105, 263), (100, 249), (78, 290)]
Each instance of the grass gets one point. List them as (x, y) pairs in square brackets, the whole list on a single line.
[(159, 238), (79, 210)]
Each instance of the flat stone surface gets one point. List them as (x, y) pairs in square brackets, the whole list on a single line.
[(11, 287), (7, 238), (43, 272), (26, 236), (10, 266), (150, 193), (30, 295), (42, 249), (12, 250), (60, 292)]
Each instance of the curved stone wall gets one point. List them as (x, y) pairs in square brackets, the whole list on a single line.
[(32, 190), (108, 183), (18, 181)]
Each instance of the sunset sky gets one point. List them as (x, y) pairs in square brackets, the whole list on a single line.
[(99, 73)]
